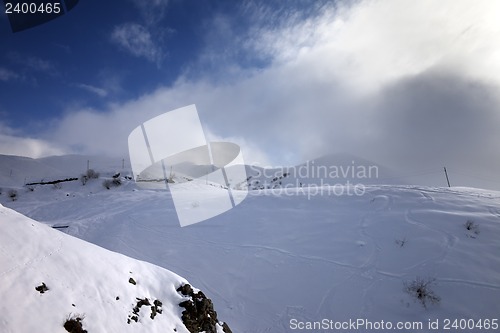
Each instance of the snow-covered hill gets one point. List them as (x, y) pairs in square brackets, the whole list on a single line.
[(330, 170), (283, 259), (50, 280)]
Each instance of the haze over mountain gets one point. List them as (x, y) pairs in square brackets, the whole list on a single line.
[(333, 169)]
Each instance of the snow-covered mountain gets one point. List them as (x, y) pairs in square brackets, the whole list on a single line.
[(282, 260)]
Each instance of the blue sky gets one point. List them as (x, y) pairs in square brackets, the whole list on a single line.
[(101, 52), (414, 85)]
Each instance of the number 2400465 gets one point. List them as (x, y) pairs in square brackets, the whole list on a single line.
[(33, 8)]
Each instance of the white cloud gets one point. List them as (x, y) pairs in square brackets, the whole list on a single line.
[(410, 82), (7, 75), (40, 65), (33, 63), (252, 154), (137, 40), (93, 89), (373, 43), (23, 146), (152, 11)]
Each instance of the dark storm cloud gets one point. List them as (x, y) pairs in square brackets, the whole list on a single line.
[(436, 119)]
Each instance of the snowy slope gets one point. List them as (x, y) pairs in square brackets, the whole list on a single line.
[(305, 254), (73, 165), (83, 280), (17, 170), (333, 170)]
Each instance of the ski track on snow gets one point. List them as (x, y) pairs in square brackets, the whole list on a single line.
[(413, 205), (35, 260)]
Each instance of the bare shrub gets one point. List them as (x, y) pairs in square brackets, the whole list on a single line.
[(472, 227), (420, 290), (92, 174), (401, 242), (12, 194), (109, 183), (88, 175)]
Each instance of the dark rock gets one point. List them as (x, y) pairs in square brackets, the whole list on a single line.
[(74, 325), (226, 328), (42, 288), (140, 303), (199, 314), (156, 308)]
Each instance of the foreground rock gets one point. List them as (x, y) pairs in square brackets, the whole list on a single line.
[(200, 315)]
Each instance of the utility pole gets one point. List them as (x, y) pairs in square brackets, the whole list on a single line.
[(447, 179)]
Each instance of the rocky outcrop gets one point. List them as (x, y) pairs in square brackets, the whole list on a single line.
[(199, 314)]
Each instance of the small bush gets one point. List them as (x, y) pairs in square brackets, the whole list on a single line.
[(109, 183), (170, 178), (89, 174), (92, 174), (12, 195), (420, 289), (401, 242), (472, 226), (73, 324)]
